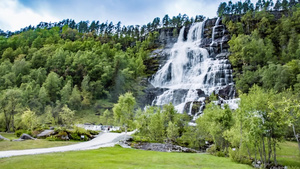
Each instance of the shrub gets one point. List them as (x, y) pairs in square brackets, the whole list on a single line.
[(18, 133), (75, 136), (35, 133), (235, 156), (92, 132), (53, 138), (212, 150), (141, 139), (220, 154), (116, 131)]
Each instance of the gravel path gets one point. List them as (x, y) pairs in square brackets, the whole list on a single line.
[(102, 140)]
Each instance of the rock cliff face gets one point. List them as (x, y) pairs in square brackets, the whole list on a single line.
[(192, 65)]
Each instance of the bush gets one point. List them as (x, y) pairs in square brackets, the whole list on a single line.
[(92, 132), (59, 129), (75, 136), (235, 156), (116, 131), (212, 150), (141, 139), (220, 154), (18, 133), (53, 138)]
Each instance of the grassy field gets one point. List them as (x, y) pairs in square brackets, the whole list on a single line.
[(116, 157), (29, 144), (288, 154)]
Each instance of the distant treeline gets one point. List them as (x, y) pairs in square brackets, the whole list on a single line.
[(110, 28), (243, 7)]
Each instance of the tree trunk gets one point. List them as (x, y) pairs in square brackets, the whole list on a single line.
[(275, 160), (12, 123), (264, 150), (270, 149), (260, 153), (297, 137), (255, 153), (7, 122), (248, 151), (241, 131)]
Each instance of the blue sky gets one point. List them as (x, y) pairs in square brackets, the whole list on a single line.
[(17, 14)]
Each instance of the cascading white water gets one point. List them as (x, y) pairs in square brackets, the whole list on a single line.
[(188, 70)]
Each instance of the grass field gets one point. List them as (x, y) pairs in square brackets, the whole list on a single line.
[(116, 157), (288, 154), (29, 144)]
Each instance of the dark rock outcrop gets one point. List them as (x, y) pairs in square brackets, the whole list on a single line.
[(227, 92), (45, 133), (26, 137), (194, 107), (215, 40), (163, 147)]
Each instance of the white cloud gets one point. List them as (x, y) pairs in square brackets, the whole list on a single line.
[(14, 16), (191, 8)]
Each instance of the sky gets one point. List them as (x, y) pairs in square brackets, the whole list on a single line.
[(17, 14)]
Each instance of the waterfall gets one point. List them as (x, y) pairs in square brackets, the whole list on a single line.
[(190, 73)]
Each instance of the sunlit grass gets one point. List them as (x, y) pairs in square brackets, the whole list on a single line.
[(288, 154), (117, 157), (29, 144)]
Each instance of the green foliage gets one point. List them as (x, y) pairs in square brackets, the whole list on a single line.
[(107, 118), (75, 65), (18, 133), (172, 131), (216, 121), (123, 110), (66, 115), (29, 118), (234, 156), (158, 125), (264, 48)]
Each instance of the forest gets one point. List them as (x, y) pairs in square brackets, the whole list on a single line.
[(54, 73), (76, 67)]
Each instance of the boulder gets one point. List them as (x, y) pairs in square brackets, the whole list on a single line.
[(45, 133), (64, 137), (26, 137), (3, 138), (163, 147)]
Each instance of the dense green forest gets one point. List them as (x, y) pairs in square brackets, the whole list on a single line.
[(76, 66), (52, 72)]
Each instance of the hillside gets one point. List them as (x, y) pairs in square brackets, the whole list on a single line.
[(185, 70)]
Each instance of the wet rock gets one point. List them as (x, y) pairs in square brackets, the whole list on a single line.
[(194, 107), (223, 55), (227, 92), (167, 36), (215, 40)]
